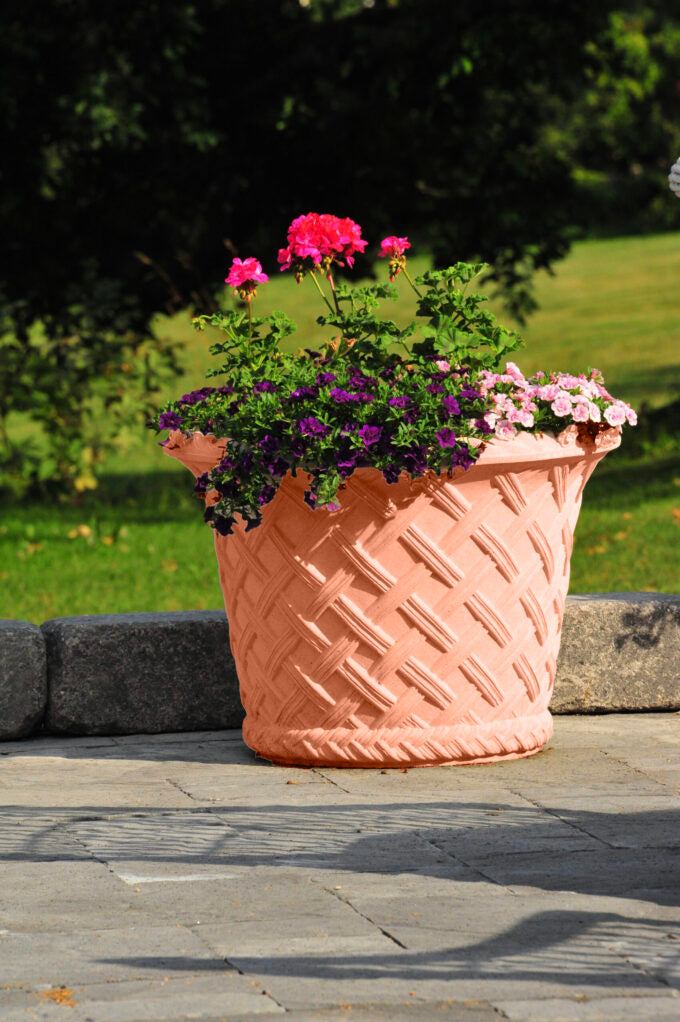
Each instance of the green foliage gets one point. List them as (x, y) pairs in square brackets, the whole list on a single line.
[(457, 326), (621, 133), (138, 148), (83, 391)]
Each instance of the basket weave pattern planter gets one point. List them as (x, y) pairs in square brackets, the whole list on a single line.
[(418, 625)]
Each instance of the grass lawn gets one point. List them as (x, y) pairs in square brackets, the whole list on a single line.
[(138, 542)]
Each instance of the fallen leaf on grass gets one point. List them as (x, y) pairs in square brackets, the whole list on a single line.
[(80, 530), (169, 566)]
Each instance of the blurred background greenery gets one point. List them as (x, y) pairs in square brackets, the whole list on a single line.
[(145, 144)]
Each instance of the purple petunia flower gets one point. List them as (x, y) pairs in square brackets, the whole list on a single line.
[(202, 484), (434, 388), (169, 420), (298, 447), (391, 473), (370, 434), (470, 394), (312, 427), (346, 464), (359, 380), (451, 405), (196, 396), (400, 401), (224, 526), (323, 378), (463, 457), (483, 426), (446, 437), (226, 487), (269, 444), (343, 397), (265, 386), (415, 460), (277, 467), (302, 392), (266, 494)]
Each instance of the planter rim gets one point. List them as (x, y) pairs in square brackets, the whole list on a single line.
[(524, 448)]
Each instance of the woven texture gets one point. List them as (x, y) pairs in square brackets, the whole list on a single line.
[(419, 624)]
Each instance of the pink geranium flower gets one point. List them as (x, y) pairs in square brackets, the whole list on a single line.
[(321, 238), (393, 247), (244, 275)]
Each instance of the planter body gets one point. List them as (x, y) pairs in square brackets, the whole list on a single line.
[(418, 625)]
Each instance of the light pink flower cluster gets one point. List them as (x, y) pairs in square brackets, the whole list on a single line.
[(323, 238), (518, 402), (244, 275)]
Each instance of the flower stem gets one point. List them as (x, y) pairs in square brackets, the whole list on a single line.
[(250, 322), (408, 277), (320, 290), (329, 276)]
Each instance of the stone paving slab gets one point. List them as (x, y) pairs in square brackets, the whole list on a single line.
[(180, 878), (142, 1000)]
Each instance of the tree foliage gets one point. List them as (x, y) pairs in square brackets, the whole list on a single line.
[(146, 141), (622, 133)]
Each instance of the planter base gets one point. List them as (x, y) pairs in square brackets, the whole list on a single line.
[(459, 744)]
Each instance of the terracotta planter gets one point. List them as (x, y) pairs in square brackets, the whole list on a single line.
[(418, 625)]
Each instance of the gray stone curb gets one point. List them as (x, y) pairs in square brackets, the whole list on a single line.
[(23, 678), (619, 651), (114, 674)]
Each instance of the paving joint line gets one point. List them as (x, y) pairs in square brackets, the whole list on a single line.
[(320, 773), (233, 965), (462, 862), (362, 915), (178, 786), (638, 770), (555, 814)]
